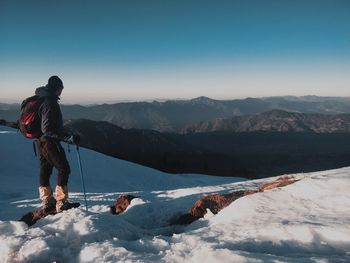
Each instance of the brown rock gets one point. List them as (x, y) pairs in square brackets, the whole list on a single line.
[(215, 203), (280, 182), (121, 204)]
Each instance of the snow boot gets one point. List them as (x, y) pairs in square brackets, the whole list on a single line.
[(62, 206), (62, 199), (47, 200)]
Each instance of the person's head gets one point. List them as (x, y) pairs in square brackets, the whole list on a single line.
[(55, 85)]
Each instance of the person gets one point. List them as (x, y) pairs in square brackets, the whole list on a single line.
[(51, 151)]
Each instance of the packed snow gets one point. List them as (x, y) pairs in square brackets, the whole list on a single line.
[(308, 221)]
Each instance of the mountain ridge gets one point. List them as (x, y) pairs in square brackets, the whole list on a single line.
[(175, 115), (221, 153), (276, 121)]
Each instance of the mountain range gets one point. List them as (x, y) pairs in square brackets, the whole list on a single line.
[(267, 149), (175, 115), (276, 121)]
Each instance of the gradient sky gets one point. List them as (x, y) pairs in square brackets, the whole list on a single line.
[(135, 50)]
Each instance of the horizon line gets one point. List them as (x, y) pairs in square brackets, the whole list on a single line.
[(150, 100)]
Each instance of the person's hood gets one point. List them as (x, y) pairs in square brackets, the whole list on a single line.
[(46, 92)]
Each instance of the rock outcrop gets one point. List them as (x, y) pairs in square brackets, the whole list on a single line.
[(217, 202), (121, 204)]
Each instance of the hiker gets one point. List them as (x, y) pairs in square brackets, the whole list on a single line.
[(51, 152)]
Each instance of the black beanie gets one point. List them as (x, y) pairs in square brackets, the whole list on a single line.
[(54, 83)]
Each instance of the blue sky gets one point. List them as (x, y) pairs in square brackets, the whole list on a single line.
[(135, 50)]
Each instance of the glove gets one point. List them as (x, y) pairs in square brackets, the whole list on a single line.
[(73, 139)]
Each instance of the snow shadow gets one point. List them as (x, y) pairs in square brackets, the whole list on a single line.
[(288, 251)]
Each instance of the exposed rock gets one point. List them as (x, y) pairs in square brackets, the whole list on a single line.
[(121, 204), (217, 202), (280, 182)]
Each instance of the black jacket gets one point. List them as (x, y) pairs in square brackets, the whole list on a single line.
[(51, 115)]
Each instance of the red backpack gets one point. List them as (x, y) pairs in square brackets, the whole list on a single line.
[(30, 121)]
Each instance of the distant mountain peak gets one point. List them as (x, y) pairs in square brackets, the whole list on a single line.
[(203, 100)]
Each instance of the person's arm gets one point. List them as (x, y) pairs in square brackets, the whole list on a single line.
[(50, 120)]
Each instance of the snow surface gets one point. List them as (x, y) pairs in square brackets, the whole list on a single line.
[(308, 221)]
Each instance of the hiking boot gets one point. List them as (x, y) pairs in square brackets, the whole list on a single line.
[(62, 199), (62, 206), (61, 193), (49, 207), (47, 200)]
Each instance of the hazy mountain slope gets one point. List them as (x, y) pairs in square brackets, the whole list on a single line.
[(311, 104), (276, 121), (252, 155), (146, 147)]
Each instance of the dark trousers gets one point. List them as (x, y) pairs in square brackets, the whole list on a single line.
[(52, 155)]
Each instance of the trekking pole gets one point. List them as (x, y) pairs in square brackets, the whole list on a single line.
[(81, 175)]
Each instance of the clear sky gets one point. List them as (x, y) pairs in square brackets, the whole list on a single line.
[(135, 50)]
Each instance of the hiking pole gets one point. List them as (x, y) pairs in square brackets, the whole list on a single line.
[(81, 175)]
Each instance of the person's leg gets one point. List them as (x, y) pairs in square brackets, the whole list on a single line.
[(45, 191), (60, 162), (45, 171), (58, 159)]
